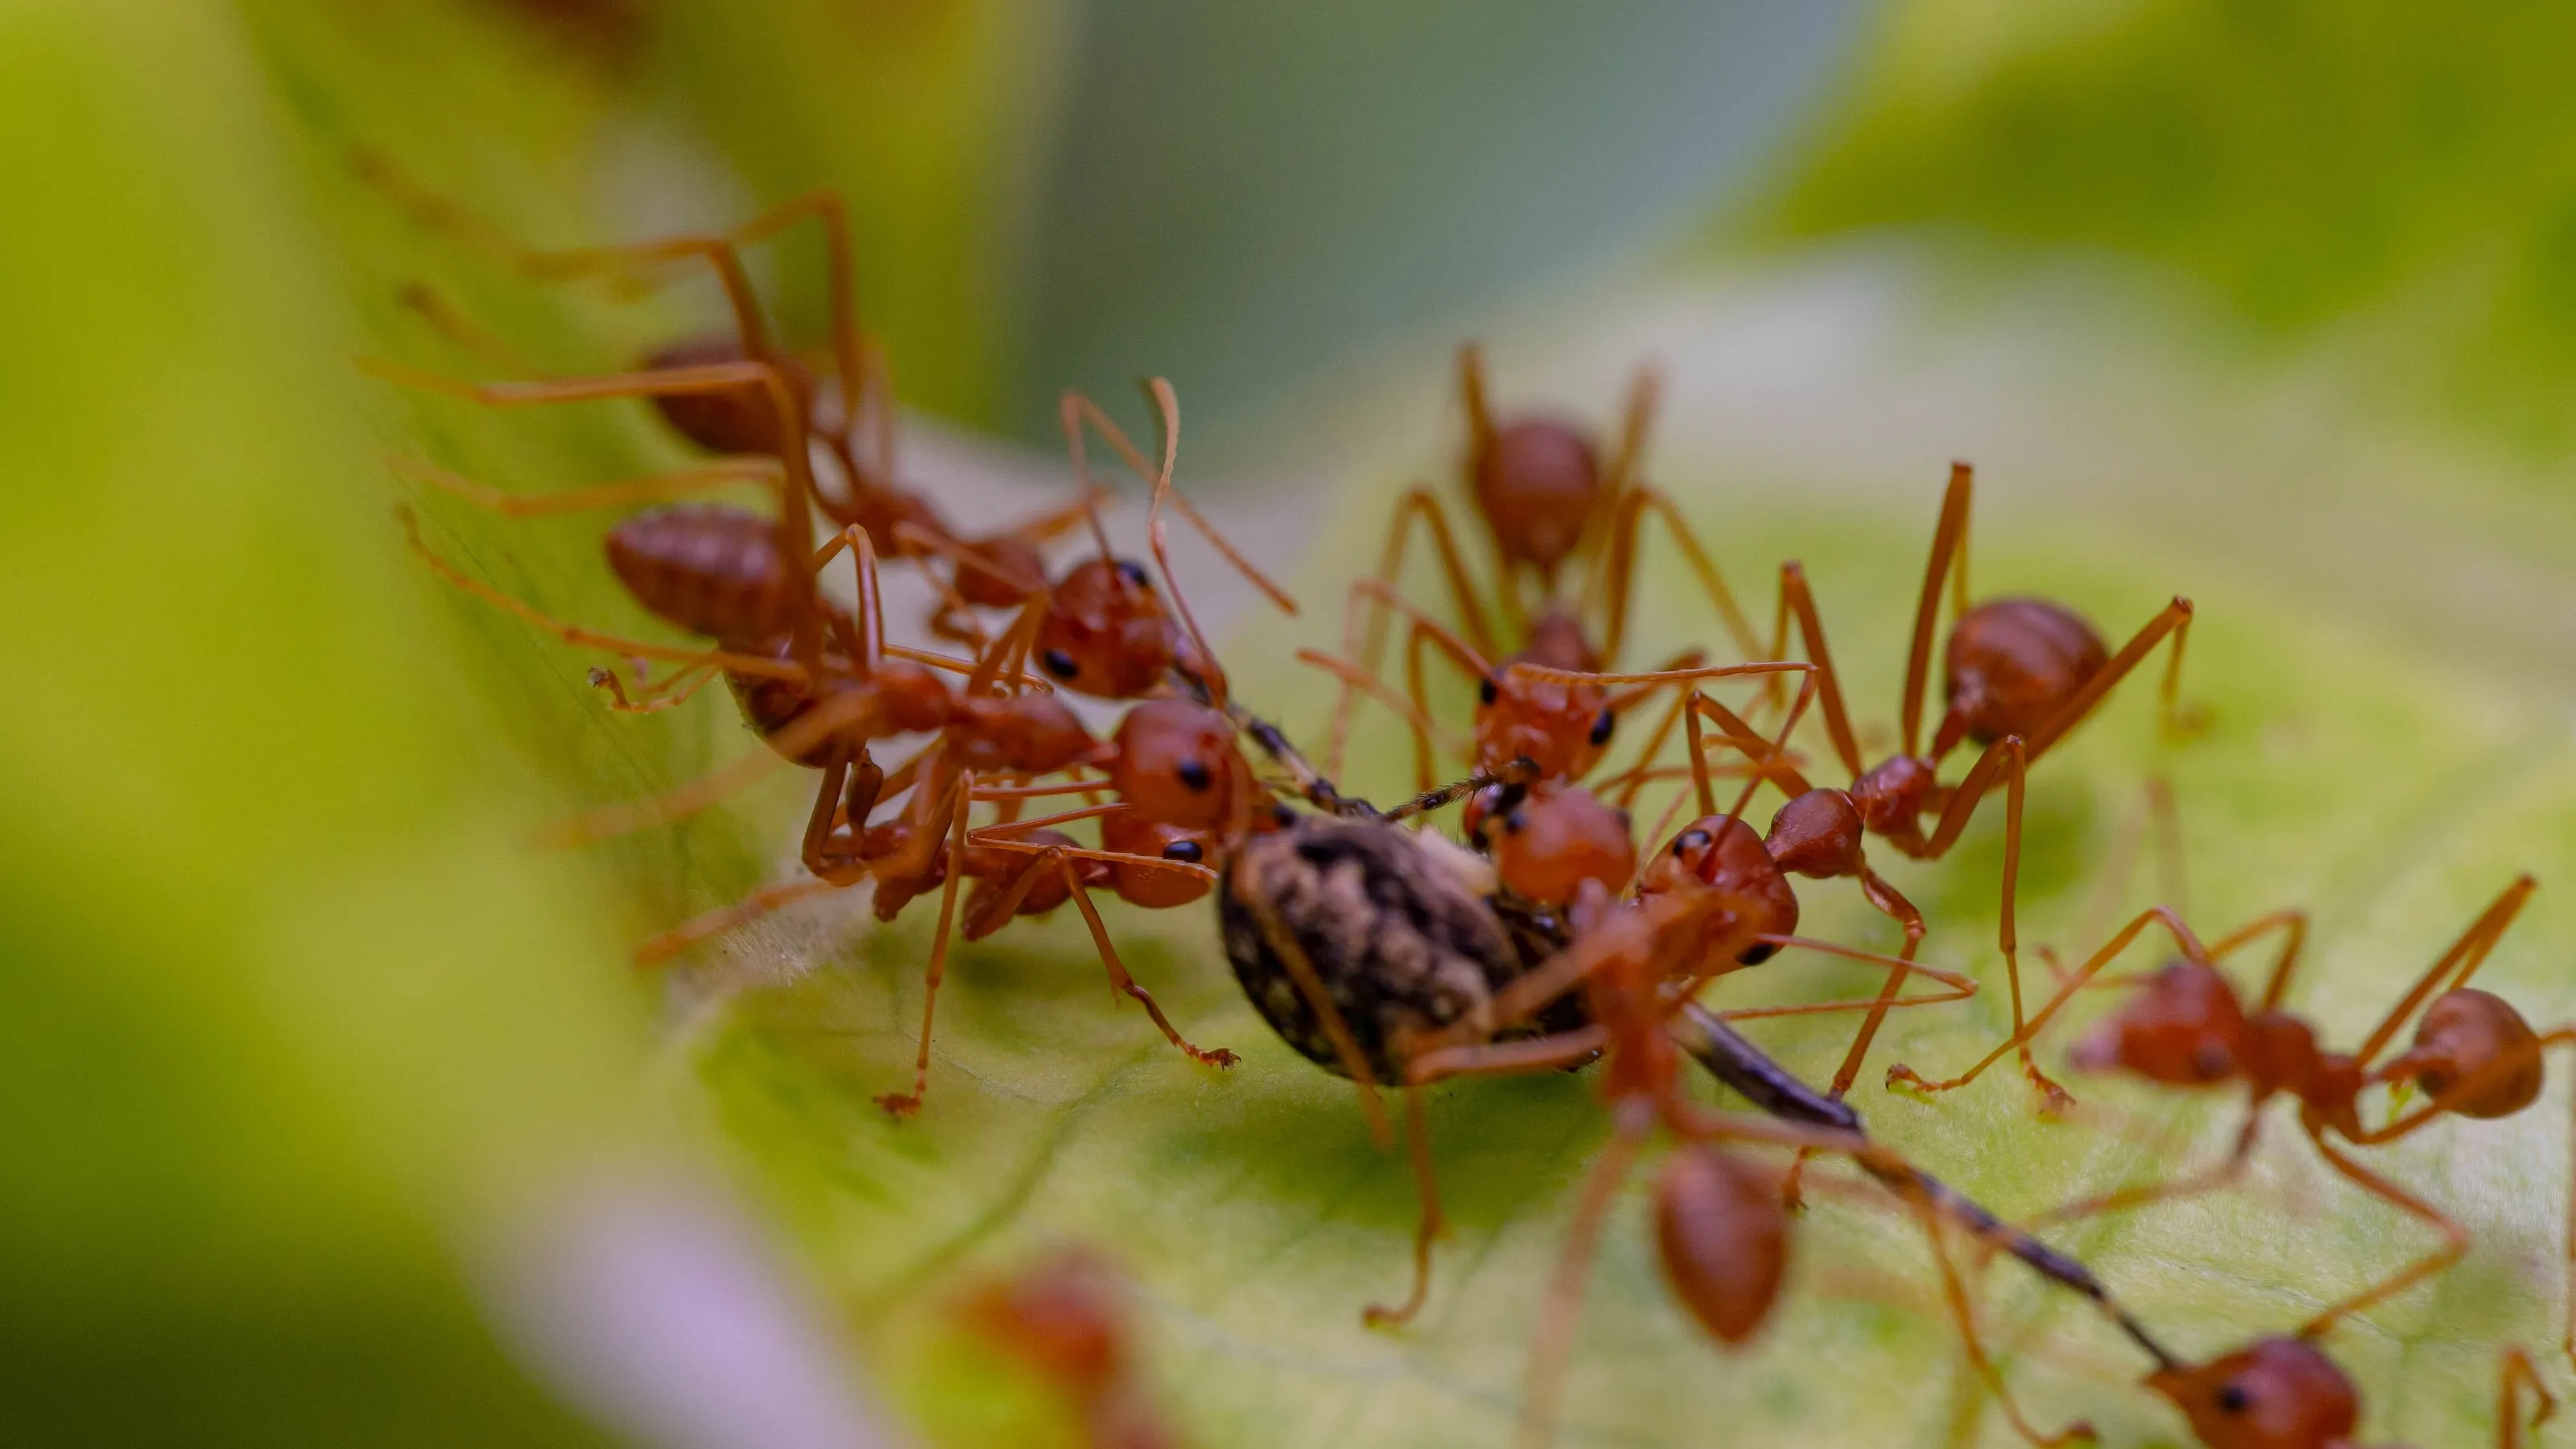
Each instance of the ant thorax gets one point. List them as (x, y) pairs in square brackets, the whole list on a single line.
[(1893, 794), (1392, 923)]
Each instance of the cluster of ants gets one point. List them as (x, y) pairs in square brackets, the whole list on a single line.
[(1540, 936)]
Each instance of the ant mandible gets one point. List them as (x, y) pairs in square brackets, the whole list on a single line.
[(2472, 1053)]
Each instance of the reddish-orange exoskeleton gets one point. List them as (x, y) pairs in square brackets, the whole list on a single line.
[(2472, 1055)]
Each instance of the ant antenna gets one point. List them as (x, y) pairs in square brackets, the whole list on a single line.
[(1071, 410)]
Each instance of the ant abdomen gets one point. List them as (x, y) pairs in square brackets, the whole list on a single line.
[(1724, 853), (1538, 483), (1724, 1239), (2462, 1038), (993, 869), (908, 697), (2012, 664), (1401, 943), (709, 569), (740, 420), (2276, 1393)]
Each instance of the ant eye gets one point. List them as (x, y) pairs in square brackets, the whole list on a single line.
[(2233, 1398), (1059, 664), (1487, 691), (1601, 727), (1513, 822), (1193, 773), (1133, 573), (1186, 852), (1690, 840)]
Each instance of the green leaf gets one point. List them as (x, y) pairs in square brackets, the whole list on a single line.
[(362, 1025), (2396, 182)]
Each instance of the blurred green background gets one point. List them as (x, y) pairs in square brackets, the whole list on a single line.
[(334, 1115)]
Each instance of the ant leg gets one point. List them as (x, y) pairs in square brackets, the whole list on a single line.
[(587, 638), (2455, 1241), (827, 802), (467, 334), (1622, 789), (1898, 969), (2223, 1174), (2292, 925), (1797, 603), (810, 730), (1428, 1228), (1369, 647), (1886, 899), (2515, 1373), (2457, 964), (670, 943), (681, 687), (1947, 537), (2173, 619), (1562, 1308), (1901, 1075), (1427, 735), (795, 518), (2007, 758), (1621, 563), (955, 804), (1963, 1317), (1118, 977), (1167, 416), (1301, 971), (650, 488), (1769, 762)]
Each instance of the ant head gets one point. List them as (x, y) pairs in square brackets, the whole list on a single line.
[(2277, 1393), (1030, 734), (1720, 852), (1548, 841), (2011, 665), (1559, 726), (1005, 569), (740, 420), (1817, 834), (2474, 1038), (1724, 1239), (2184, 1028), (1131, 833), (1537, 482), (1177, 762), (1106, 632)]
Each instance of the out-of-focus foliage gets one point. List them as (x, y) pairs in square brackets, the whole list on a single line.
[(2400, 179), (295, 1027)]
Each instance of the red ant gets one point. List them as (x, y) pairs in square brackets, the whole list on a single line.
[(1546, 499), (2473, 1054), (748, 416), (1064, 1318), (1349, 936), (1721, 1228), (2019, 674), (2284, 1393)]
